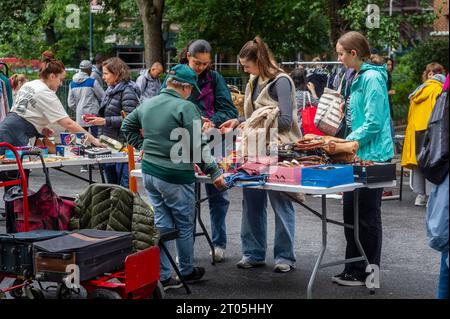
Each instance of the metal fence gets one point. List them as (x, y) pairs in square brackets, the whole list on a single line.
[(63, 91)]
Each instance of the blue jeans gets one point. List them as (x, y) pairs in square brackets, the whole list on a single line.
[(254, 227), (113, 174), (218, 207), (174, 206), (442, 292)]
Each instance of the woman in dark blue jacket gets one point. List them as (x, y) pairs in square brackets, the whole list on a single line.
[(122, 95)]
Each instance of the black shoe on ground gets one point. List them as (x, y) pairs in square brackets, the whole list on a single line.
[(350, 280), (196, 275), (171, 283), (336, 277)]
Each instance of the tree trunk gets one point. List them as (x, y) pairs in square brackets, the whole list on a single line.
[(151, 14), (336, 22), (50, 36)]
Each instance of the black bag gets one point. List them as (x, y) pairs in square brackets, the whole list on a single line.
[(95, 252), (16, 250), (434, 155)]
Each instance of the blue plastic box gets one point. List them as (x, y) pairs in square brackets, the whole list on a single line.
[(327, 175), (20, 149)]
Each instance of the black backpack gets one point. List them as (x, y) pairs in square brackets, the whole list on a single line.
[(434, 154)]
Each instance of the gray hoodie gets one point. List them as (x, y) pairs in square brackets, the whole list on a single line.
[(85, 95), (148, 85)]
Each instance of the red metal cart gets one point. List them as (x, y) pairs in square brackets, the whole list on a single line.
[(138, 280)]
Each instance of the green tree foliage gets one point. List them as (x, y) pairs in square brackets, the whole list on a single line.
[(32, 26), (286, 25), (355, 16), (408, 74)]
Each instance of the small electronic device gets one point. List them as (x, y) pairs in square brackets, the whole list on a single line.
[(97, 152)]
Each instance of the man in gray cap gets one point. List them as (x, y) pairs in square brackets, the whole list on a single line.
[(85, 95)]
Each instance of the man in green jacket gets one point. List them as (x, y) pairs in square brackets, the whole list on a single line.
[(168, 164)]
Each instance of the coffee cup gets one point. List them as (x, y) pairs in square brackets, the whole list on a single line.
[(67, 138)]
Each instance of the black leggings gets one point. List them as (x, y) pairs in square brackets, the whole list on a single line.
[(370, 229)]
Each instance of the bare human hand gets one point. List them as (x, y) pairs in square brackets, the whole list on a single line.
[(219, 183)]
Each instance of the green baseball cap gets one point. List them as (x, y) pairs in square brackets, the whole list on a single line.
[(183, 73)]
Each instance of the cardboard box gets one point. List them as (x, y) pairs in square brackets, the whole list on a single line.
[(327, 175), (380, 172), (285, 175)]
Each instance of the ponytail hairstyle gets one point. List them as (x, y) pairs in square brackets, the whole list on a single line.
[(194, 47), (50, 65), (434, 67), (257, 51), (119, 68), (356, 41)]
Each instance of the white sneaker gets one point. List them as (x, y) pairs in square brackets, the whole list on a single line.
[(421, 200), (282, 268), (219, 254)]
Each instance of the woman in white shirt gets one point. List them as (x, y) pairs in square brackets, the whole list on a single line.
[(36, 106)]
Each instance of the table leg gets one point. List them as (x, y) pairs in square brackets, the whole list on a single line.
[(121, 173), (322, 250), (102, 173), (401, 184), (200, 221), (90, 173)]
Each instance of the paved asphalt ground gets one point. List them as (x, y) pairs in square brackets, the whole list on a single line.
[(409, 267)]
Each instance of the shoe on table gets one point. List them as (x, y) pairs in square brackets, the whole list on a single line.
[(219, 254), (245, 264), (421, 200), (195, 275), (171, 283), (350, 280), (282, 268)]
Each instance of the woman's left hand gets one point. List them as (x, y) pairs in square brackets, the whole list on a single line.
[(98, 121)]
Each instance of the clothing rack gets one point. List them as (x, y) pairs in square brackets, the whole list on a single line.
[(310, 62)]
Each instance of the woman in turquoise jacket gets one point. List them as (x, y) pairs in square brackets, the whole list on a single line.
[(370, 126)]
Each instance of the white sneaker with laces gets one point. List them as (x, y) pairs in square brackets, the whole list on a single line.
[(421, 200), (219, 254)]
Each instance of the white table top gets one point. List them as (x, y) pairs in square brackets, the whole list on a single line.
[(297, 188), (72, 161)]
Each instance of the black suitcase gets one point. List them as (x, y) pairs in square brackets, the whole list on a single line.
[(95, 252), (16, 250)]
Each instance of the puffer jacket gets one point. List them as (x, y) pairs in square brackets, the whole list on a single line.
[(85, 95), (113, 207), (123, 96)]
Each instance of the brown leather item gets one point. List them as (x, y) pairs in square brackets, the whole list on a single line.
[(46, 142), (338, 149)]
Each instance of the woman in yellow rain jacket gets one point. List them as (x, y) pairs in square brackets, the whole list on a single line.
[(422, 103)]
